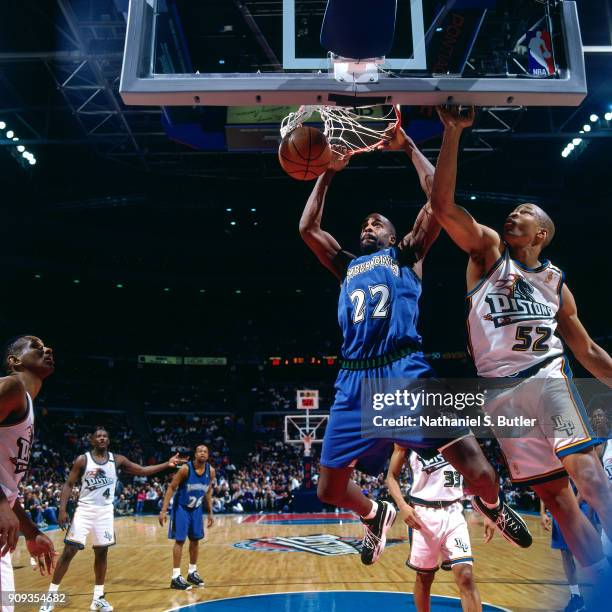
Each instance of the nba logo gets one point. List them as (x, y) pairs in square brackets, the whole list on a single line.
[(541, 62)]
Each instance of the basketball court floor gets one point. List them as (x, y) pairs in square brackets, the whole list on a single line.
[(298, 563)]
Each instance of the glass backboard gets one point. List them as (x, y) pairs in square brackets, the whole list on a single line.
[(256, 52)]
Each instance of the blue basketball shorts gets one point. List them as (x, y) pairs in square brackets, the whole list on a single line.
[(344, 444), (185, 522)]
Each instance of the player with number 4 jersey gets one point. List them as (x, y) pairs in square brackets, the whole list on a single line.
[(97, 471)]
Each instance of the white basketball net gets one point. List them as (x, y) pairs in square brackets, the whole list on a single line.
[(349, 130)]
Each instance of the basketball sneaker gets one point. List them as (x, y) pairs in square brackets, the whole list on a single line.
[(195, 579), (47, 608), (507, 521), (446, 565), (180, 584), (101, 605), (375, 529), (575, 604)]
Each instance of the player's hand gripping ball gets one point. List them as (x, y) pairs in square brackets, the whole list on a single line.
[(304, 153)]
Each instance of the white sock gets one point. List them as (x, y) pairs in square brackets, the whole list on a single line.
[(193, 568), (176, 572), (53, 588), (490, 506), (574, 589), (372, 512), (98, 591)]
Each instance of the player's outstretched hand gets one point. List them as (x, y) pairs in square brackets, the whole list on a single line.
[(210, 522), (409, 516), (456, 116), (9, 529), (41, 548), (489, 530), (176, 460), (339, 160), (162, 518)]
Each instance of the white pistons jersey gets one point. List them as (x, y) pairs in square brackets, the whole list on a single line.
[(435, 479), (511, 317), (15, 447), (98, 482)]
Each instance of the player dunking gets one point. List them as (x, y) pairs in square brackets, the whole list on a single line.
[(187, 490), (378, 312), (28, 362), (97, 470), (517, 301), (438, 529)]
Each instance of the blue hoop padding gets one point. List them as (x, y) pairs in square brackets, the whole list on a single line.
[(359, 29)]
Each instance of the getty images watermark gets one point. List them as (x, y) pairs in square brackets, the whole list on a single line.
[(502, 407), (430, 406)]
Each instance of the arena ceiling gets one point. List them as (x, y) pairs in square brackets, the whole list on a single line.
[(113, 200)]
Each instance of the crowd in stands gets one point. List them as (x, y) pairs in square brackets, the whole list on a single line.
[(262, 476)]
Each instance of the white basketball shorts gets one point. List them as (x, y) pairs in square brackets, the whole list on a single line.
[(560, 422), (95, 520), (444, 534), (7, 581)]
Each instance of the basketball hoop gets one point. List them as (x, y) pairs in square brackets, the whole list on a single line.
[(349, 130)]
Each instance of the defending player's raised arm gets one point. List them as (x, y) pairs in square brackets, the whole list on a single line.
[(175, 483), (140, 470), (585, 349), (322, 243), (398, 459), (465, 231), (78, 467)]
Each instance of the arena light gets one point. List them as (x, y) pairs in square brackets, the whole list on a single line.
[(232, 223), (473, 197), (32, 161), (10, 134), (565, 153), (586, 127), (2, 125), (608, 116), (576, 141), (15, 139), (570, 147), (594, 118), (119, 285), (21, 148), (27, 154)]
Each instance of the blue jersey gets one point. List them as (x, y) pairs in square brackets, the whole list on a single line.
[(192, 490), (378, 307)]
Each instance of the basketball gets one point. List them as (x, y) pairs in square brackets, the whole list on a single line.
[(304, 153)]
